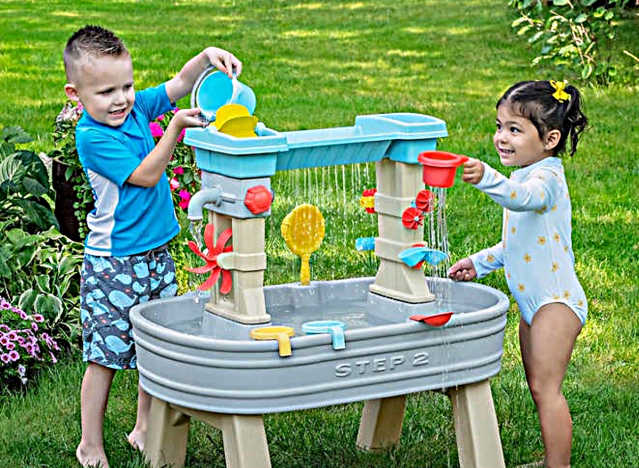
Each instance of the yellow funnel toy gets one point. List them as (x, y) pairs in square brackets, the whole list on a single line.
[(235, 120), (281, 334), (303, 232)]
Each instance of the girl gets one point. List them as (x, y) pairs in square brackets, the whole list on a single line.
[(535, 120)]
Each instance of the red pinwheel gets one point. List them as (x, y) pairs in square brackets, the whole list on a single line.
[(210, 257), (412, 217), (425, 200)]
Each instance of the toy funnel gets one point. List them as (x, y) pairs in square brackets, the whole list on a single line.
[(214, 89), (440, 167)]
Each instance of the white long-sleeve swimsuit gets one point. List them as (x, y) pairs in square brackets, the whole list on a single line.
[(536, 246)]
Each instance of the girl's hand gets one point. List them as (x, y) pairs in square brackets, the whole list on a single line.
[(224, 61), (463, 270), (473, 171)]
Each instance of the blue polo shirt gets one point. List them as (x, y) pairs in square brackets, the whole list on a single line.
[(127, 219)]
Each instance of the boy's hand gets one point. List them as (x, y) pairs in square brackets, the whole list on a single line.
[(463, 270), (473, 171), (185, 118), (224, 61)]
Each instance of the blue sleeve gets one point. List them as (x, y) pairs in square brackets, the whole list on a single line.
[(537, 193), (153, 102), (105, 154)]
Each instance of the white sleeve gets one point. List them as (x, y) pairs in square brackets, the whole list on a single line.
[(538, 192), (488, 260)]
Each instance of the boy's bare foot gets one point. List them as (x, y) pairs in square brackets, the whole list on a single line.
[(91, 460), (137, 439)]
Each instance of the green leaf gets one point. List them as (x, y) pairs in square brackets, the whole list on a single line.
[(586, 71), (48, 305), (68, 265), (27, 300), (43, 283), (581, 18), (34, 187), (560, 2), (523, 30), (536, 36), (587, 3)]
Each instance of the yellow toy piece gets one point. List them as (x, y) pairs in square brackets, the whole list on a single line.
[(281, 334), (303, 232), (235, 120)]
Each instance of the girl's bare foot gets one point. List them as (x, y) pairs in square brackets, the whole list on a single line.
[(137, 439), (91, 459)]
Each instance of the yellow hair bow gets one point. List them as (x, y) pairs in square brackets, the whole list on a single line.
[(559, 94)]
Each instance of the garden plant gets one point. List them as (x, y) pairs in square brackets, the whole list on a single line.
[(318, 64)]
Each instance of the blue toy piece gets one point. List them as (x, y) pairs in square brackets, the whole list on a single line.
[(365, 243), (398, 137), (415, 255), (334, 327), (215, 89)]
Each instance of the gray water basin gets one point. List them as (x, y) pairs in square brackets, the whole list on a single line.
[(193, 358)]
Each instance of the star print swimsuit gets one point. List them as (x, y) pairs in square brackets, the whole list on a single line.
[(536, 247)]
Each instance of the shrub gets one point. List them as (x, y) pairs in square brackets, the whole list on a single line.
[(569, 34)]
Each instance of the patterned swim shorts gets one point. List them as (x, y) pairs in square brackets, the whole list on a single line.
[(109, 288)]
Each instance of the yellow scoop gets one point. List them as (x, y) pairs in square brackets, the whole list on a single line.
[(303, 232), (281, 334), (235, 120)]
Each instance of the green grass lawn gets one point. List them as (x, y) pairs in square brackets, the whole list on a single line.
[(320, 64)]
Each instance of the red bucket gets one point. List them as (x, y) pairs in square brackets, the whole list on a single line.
[(440, 167)]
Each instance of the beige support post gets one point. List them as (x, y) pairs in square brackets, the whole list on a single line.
[(167, 435), (397, 186), (381, 423), (244, 437), (478, 441), (245, 303)]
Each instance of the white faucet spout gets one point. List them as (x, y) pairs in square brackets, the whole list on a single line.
[(196, 205)]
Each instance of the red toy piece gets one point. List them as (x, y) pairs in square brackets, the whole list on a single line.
[(258, 199), (436, 320), (425, 200), (412, 217), (440, 167), (210, 257)]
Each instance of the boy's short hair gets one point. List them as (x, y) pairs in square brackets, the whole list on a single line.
[(93, 41)]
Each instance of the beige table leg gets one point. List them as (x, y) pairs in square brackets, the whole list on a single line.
[(167, 435), (381, 423), (478, 440), (244, 437)]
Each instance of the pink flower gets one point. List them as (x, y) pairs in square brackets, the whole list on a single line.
[(185, 196), (38, 318), (156, 129), (53, 358), (178, 170), (160, 118), (181, 135), (10, 346), (5, 358), (34, 326), (174, 184), (14, 356)]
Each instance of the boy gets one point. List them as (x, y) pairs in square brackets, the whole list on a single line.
[(125, 260)]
